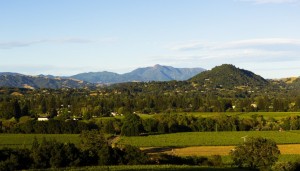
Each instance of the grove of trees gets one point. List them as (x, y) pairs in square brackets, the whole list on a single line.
[(255, 152)]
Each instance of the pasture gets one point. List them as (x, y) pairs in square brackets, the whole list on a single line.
[(186, 139), (275, 115), (266, 115), (25, 140), (209, 138)]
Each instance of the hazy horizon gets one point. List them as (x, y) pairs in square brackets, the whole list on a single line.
[(67, 37)]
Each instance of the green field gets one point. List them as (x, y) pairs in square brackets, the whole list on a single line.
[(177, 139), (227, 161), (164, 140), (208, 138), (20, 140), (275, 115)]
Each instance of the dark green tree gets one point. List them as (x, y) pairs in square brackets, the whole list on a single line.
[(132, 125), (134, 156), (92, 140), (25, 110), (255, 152), (17, 109)]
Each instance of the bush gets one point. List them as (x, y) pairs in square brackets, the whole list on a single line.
[(256, 152)]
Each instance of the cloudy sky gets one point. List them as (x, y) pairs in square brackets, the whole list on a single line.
[(65, 37)]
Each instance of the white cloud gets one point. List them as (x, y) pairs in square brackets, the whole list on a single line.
[(74, 40), (15, 44), (249, 52), (48, 69), (249, 43), (265, 63), (237, 55), (260, 43), (271, 1), (192, 45)]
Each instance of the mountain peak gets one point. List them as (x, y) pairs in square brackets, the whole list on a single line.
[(157, 66)]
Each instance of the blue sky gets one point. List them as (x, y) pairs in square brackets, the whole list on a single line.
[(65, 37)]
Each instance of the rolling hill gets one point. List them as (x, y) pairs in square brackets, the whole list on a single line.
[(33, 82), (99, 77), (229, 76)]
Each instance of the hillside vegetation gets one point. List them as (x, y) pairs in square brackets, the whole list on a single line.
[(228, 76)]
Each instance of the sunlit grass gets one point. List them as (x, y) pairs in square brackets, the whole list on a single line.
[(209, 138)]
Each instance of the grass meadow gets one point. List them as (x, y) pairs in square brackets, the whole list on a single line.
[(25, 140), (275, 115), (209, 138), (267, 115), (181, 144), (186, 139)]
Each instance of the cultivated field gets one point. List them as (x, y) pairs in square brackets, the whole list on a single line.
[(285, 149), (267, 115), (209, 138), (21, 140), (275, 115), (185, 139)]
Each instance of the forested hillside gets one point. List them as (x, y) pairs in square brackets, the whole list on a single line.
[(243, 91), (228, 76)]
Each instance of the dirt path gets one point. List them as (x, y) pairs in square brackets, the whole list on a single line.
[(113, 141), (213, 150)]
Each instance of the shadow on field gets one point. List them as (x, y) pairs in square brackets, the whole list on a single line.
[(183, 169), (147, 168), (159, 149), (194, 169)]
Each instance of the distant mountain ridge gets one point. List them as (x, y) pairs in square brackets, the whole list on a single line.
[(98, 77), (91, 79), (155, 73), (33, 82)]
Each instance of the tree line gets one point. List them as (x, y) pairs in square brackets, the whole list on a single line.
[(134, 125), (87, 104)]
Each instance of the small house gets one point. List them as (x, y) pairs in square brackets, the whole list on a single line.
[(43, 119)]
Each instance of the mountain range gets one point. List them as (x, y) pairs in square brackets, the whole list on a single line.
[(155, 73), (225, 76), (90, 79)]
